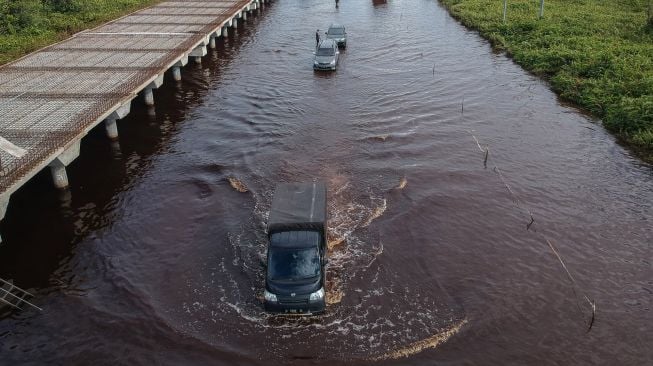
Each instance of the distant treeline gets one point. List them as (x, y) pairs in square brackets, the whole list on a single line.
[(26, 25), (595, 53)]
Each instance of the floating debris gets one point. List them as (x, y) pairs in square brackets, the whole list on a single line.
[(237, 185), (402, 183), (419, 346)]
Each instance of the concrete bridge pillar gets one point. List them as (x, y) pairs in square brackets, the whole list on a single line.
[(234, 23), (110, 122), (112, 128), (198, 53), (4, 202), (59, 164), (176, 68), (212, 43), (225, 32), (59, 175), (148, 94)]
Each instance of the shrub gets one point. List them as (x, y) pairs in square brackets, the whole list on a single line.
[(64, 6), (631, 115), (20, 15)]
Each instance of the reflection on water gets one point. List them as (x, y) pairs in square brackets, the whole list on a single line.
[(155, 254)]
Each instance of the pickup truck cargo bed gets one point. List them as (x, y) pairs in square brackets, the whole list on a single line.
[(298, 206)]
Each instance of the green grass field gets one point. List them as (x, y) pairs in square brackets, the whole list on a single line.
[(27, 25), (595, 53)]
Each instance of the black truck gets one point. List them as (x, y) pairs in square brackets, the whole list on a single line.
[(297, 251)]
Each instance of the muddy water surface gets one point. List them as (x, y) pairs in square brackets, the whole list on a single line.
[(154, 255)]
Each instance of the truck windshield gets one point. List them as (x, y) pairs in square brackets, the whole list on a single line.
[(325, 51), (336, 31), (293, 263)]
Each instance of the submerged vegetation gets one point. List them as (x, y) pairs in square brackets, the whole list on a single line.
[(26, 25), (595, 53)]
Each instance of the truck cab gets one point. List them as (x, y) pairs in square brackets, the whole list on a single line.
[(297, 253)]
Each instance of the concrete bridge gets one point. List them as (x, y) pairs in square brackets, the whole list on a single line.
[(50, 99)]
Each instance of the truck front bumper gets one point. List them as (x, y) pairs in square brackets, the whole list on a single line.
[(299, 307)]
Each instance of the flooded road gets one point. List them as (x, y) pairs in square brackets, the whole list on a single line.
[(153, 257)]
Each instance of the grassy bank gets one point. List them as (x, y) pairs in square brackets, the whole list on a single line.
[(595, 53), (27, 25)]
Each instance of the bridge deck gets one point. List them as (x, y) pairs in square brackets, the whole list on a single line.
[(51, 98)]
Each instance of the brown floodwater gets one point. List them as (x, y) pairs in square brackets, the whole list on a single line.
[(152, 257)]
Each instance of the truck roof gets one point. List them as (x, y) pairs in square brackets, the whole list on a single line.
[(298, 206)]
